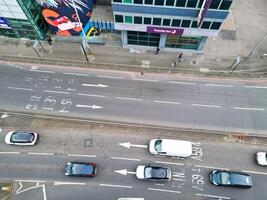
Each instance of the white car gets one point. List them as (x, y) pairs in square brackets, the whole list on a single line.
[(153, 173), (261, 158), (169, 147), (21, 138)]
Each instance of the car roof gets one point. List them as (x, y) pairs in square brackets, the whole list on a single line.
[(22, 136), (82, 168), (177, 147)]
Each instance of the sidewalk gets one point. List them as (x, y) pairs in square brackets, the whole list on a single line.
[(219, 53)]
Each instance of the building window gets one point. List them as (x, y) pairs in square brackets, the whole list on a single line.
[(215, 25), (225, 5), (149, 2), (191, 3), (117, 1), (127, 1), (169, 2), (147, 20), (166, 22), (186, 23), (176, 22), (119, 18), (159, 2), (206, 25), (194, 24), (138, 1), (215, 4), (156, 21), (200, 3), (143, 38), (180, 3), (183, 42), (128, 19), (138, 20)]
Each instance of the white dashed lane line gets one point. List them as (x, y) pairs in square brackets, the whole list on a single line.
[(42, 71), (255, 87), (17, 88), (92, 95), (117, 186), (82, 155), (68, 183), (11, 152), (149, 80), (182, 83), (218, 85), (30, 181), (111, 77), (206, 105), (245, 108), (57, 92), (169, 163), (167, 102), (213, 196), (75, 74), (161, 190), (131, 99), (41, 154), (130, 159), (212, 167), (254, 172)]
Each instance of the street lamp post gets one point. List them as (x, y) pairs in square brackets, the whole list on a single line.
[(255, 48)]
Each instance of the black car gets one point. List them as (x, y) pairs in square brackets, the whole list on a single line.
[(231, 179), (80, 169), (153, 173)]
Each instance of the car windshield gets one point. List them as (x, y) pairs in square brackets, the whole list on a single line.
[(22, 137), (155, 172), (158, 145), (82, 169), (225, 178)]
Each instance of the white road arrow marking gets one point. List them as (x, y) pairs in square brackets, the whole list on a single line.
[(128, 145), (124, 172), (94, 85), (87, 106)]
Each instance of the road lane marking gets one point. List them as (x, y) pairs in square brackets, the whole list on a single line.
[(210, 167), (254, 172), (128, 145), (149, 80), (58, 92), (11, 152), (92, 95), (15, 66), (17, 88), (255, 87), (32, 181), (68, 183), (178, 179), (132, 99), (218, 85), (43, 154), (88, 106), (45, 108), (43, 71), (94, 85), (245, 108), (82, 155), (167, 102), (118, 186), (124, 172), (113, 77), (131, 159), (161, 190), (213, 196), (75, 74), (206, 105), (183, 83), (169, 163)]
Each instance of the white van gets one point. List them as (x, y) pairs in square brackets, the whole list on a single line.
[(168, 147)]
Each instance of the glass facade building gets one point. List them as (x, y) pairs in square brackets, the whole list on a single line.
[(174, 24), (22, 19)]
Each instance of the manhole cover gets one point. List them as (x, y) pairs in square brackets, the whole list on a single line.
[(88, 142)]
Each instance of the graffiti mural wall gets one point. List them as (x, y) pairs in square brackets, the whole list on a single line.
[(62, 18)]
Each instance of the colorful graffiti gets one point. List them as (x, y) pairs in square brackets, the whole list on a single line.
[(68, 17)]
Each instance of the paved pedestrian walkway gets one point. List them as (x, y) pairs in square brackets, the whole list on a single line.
[(234, 48)]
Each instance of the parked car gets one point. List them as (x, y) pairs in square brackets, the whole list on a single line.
[(168, 147), (261, 158), (230, 178), (80, 169), (21, 138), (153, 173)]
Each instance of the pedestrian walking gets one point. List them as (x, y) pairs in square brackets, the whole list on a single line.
[(179, 59), (49, 40), (157, 51)]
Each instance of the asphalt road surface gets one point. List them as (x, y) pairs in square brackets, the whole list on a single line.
[(213, 104), (39, 170)]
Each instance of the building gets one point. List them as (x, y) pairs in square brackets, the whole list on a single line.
[(169, 24), (22, 19)]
